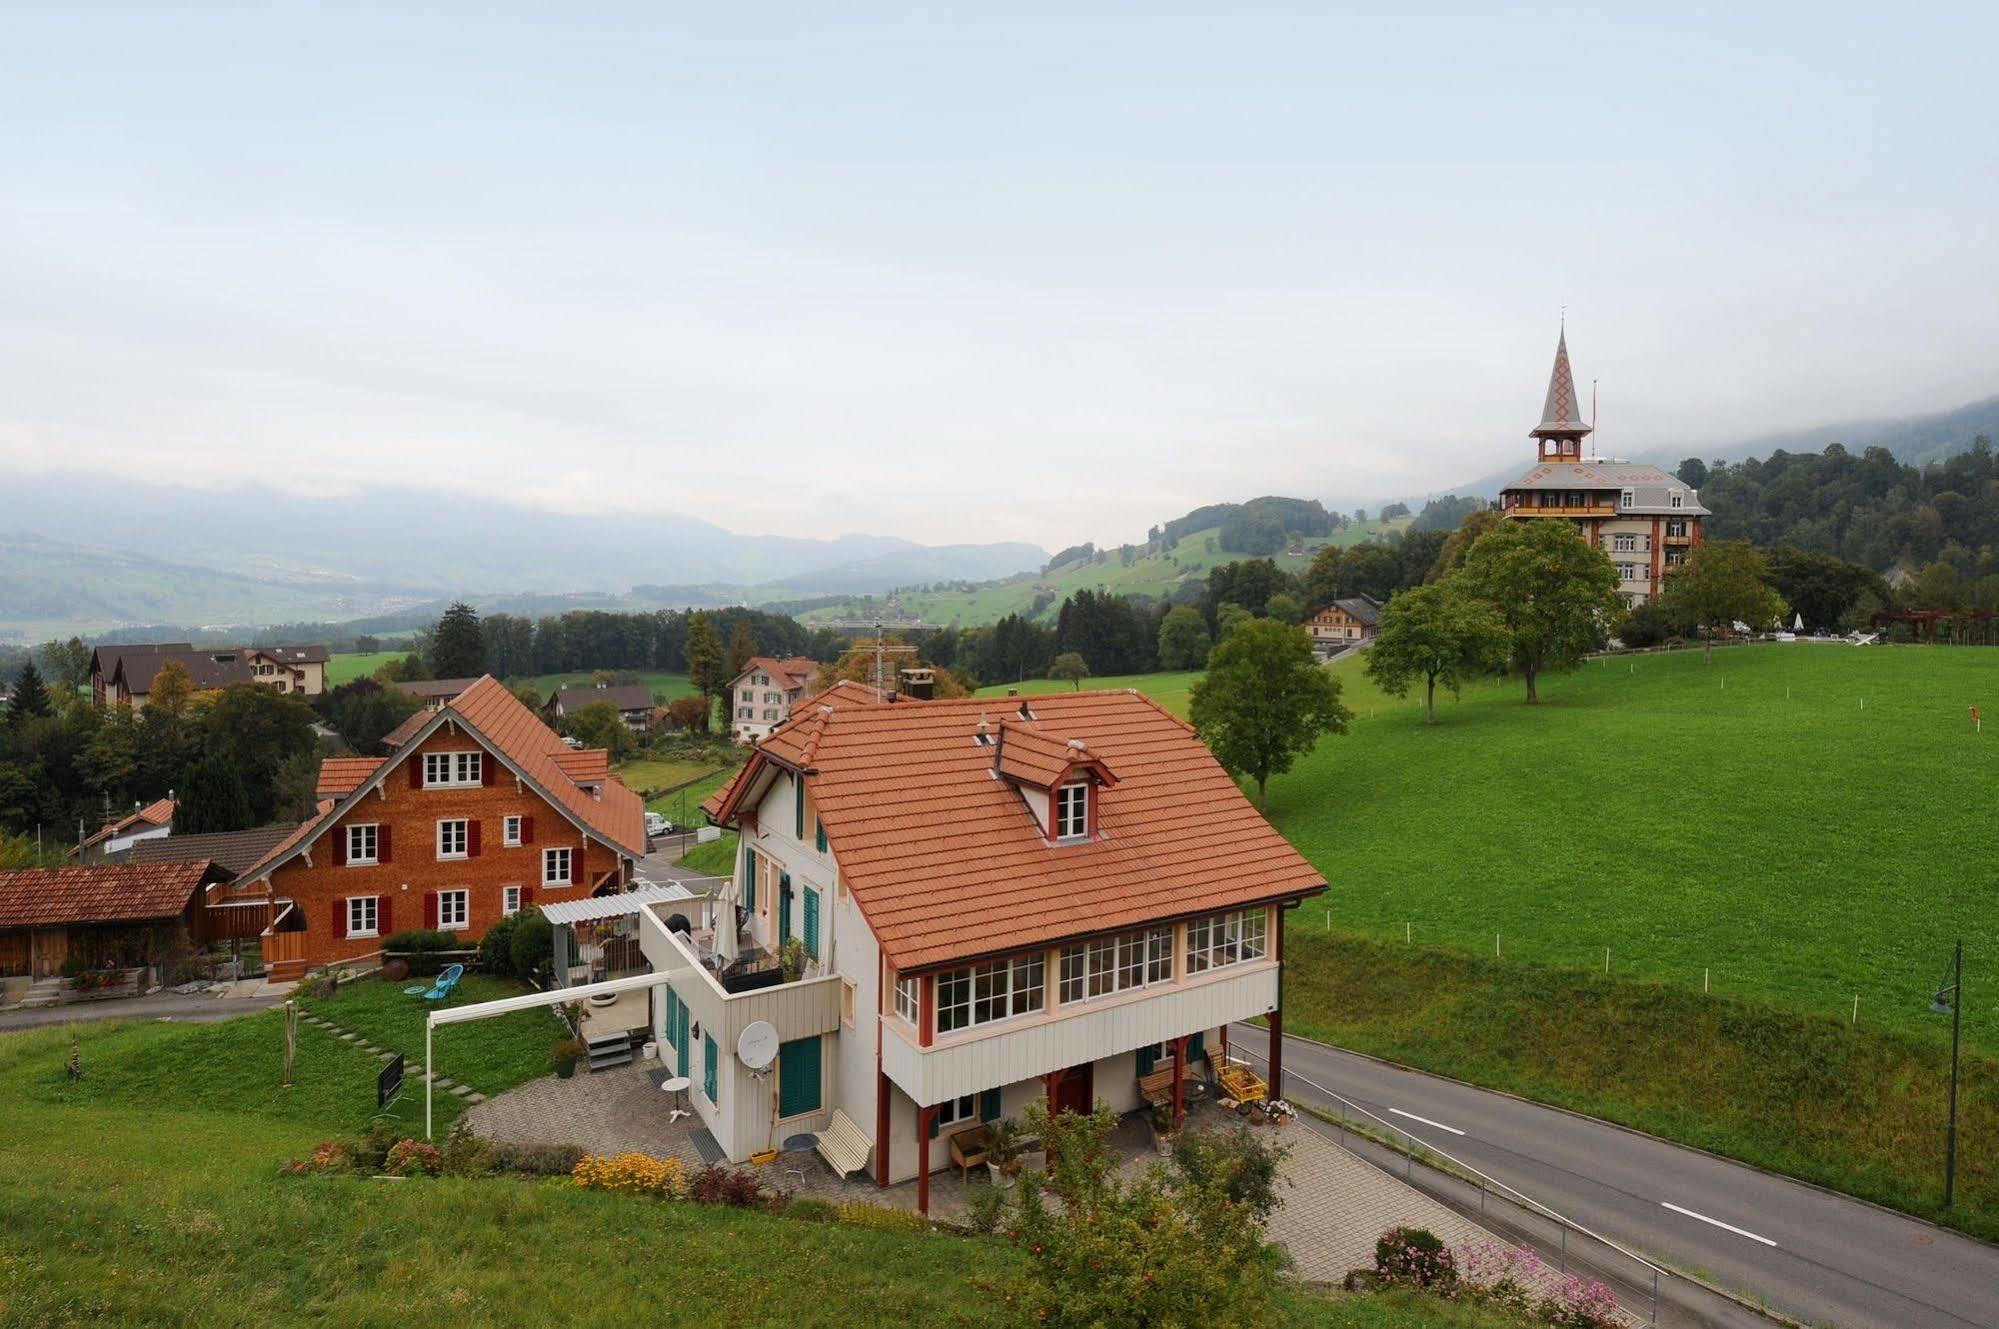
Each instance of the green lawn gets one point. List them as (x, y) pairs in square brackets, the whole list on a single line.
[(490, 1055), (664, 686), (1169, 689), (348, 667)]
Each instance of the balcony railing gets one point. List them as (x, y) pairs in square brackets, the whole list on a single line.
[(1585, 510)]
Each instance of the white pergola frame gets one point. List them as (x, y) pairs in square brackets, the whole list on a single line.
[(484, 1010)]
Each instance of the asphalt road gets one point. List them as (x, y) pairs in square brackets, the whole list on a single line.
[(196, 1008), (1816, 1256)]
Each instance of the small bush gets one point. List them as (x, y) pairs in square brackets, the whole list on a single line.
[(631, 1174), (537, 1160), (734, 1187), (1413, 1256), (986, 1210), (1238, 1161), (496, 947), (374, 1146), (322, 987), (465, 1154), (887, 1220), (412, 1158), (812, 1209), (531, 949)]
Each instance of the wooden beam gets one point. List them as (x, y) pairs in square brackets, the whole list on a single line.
[(881, 1129), (924, 1116)]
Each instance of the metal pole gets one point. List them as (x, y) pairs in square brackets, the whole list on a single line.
[(1956, 1017), (1565, 1248), (1655, 1296), (426, 1077)]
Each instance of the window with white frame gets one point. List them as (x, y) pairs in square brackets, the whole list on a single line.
[(1679, 500), (1626, 497), (453, 910), (1072, 811), (908, 1001), (954, 1110), (510, 830), (985, 993), (1215, 943), (510, 899), (1624, 544), (363, 842), (449, 769), (555, 867), (363, 916), (451, 838), (1116, 964)]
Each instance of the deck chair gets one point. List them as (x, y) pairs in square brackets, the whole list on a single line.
[(446, 981)]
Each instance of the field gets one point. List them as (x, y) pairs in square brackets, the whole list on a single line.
[(1169, 690), (345, 668), (658, 682), (1154, 575)]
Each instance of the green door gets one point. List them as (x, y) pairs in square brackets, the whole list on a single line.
[(798, 1077), (676, 1031)]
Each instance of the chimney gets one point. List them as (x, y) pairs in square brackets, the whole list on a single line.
[(919, 683)]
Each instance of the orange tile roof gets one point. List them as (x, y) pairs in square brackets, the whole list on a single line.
[(584, 765), (343, 775), (407, 730), (1023, 752), (103, 893), (948, 863), (159, 812), (793, 671)]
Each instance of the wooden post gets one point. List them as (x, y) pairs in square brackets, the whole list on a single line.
[(924, 1116), (1277, 1014), (1179, 1070), (881, 1128)]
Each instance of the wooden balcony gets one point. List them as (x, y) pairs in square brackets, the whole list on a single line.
[(1586, 510)]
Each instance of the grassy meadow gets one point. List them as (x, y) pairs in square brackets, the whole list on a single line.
[(1169, 690), (661, 684), (346, 667)]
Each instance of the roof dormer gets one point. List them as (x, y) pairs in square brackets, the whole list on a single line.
[(1061, 781)]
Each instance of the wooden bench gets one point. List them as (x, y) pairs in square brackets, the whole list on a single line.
[(970, 1148), (1156, 1087), (843, 1146)]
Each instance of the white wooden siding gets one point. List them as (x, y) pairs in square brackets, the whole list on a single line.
[(1008, 1055)]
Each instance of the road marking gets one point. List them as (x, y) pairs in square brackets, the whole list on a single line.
[(1426, 1121), (1716, 1222)]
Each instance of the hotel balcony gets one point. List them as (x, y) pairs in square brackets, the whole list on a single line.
[(1585, 510)]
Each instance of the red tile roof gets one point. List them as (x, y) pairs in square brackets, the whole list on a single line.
[(103, 893), (793, 671), (160, 812), (343, 775), (1023, 752), (584, 765), (948, 863), (407, 730)]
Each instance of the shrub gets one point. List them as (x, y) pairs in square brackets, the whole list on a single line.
[(374, 1146), (631, 1174), (537, 1160), (1238, 1162), (734, 1187), (532, 946), (984, 1212), (412, 1158), (812, 1209), (1577, 1304), (421, 939), (465, 1154), (566, 1049), (1414, 1256), (322, 987), (496, 947)]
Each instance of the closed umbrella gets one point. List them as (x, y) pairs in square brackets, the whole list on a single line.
[(725, 922)]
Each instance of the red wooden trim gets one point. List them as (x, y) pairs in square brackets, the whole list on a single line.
[(1658, 533), (924, 1116), (881, 1129), (1179, 1075), (926, 1014)]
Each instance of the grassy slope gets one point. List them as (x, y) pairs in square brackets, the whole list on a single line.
[(1170, 690), (348, 667), (662, 684), (490, 1055), (1153, 576)]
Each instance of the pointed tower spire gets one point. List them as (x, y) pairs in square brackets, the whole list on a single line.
[(1561, 429)]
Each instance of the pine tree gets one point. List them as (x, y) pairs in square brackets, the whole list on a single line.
[(707, 668), (31, 695), (212, 798), (458, 648), (742, 647)]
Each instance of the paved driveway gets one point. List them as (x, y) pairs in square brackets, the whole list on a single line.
[(194, 1008)]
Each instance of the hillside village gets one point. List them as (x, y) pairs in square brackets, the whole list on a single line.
[(884, 918)]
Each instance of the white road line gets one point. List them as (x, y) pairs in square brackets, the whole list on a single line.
[(1716, 1222), (1426, 1121)]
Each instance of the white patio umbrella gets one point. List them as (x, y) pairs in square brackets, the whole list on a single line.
[(1798, 623), (725, 922)]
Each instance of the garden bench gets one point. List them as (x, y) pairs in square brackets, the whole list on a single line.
[(843, 1146)]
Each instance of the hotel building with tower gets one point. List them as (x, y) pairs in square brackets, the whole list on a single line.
[(1644, 518)]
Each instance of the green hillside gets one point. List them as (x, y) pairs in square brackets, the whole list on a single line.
[(1151, 574)]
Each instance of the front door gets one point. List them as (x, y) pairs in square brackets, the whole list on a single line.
[(1074, 1092)]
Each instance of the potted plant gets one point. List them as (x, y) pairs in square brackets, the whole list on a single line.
[(565, 1051), (1162, 1128), (1003, 1152)]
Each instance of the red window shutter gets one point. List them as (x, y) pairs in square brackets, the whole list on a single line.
[(576, 865), (416, 770), (527, 830), (385, 914), (430, 909), (382, 843), (340, 846), (486, 771), (472, 838), (527, 896), (340, 920)]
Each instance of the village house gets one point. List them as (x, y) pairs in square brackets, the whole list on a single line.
[(435, 693), (1646, 519), (124, 675), (632, 700), (761, 697), (115, 839), (101, 914), (299, 669), (1344, 623), (1051, 899), (481, 811)]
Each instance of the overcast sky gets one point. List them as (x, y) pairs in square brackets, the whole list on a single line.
[(1005, 272)]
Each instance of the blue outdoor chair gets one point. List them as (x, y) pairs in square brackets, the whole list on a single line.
[(446, 981)]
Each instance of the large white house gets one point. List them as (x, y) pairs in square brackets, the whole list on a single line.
[(999, 900), (761, 697)]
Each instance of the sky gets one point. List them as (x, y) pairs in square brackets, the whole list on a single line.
[(1020, 272)]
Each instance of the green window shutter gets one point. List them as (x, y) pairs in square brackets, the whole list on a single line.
[(749, 880), (1148, 1057), (819, 833), (812, 923), (798, 806), (989, 1105), (1195, 1046), (783, 907), (710, 1060), (798, 1077)]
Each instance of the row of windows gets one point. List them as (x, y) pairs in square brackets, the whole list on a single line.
[(1627, 543), (454, 910), (1002, 989), (455, 838), (448, 770)]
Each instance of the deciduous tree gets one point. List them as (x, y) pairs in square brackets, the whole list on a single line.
[(599, 725), (1070, 667), (1438, 634), (68, 663), (1265, 701), (1555, 596), (1721, 584), (1183, 639)]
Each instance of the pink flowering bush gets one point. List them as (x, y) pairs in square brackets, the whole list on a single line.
[(413, 1158), (1414, 1257)]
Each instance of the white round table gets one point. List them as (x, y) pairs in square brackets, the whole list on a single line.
[(677, 1086)]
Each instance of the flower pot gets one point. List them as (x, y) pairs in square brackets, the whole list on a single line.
[(565, 1068), (1002, 1175)]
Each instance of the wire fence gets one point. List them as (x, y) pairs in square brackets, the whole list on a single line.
[(1636, 1272)]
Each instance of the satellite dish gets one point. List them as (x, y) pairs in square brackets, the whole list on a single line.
[(756, 1048)]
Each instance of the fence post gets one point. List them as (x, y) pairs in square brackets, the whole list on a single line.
[(1655, 1296), (1565, 1248)]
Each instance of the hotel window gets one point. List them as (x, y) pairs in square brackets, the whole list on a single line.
[(451, 838), (510, 899), (985, 993), (1116, 964), (362, 916), (448, 769), (1625, 498), (555, 867), (1072, 811), (362, 844), (1679, 500), (510, 830), (1624, 544), (908, 1002), (1216, 943), (452, 911)]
